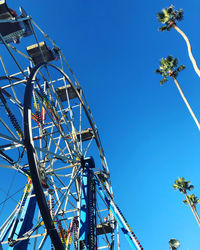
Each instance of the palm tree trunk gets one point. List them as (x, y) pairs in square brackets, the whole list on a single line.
[(186, 103), (189, 48), (191, 208), (194, 207)]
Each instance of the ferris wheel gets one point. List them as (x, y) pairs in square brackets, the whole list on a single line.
[(55, 189)]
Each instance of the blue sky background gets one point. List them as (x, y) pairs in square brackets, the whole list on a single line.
[(147, 133)]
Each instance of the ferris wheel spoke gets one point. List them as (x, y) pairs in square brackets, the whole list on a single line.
[(88, 146), (10, 79), (14, 100), (69, 109), (57, 156), (50, 141), (43, 241), (67, 192), (52, 171), (8, 129), (6, 137), (55, 122), (80, 124), (54, 160), (7, 166), (56, 145), (65, 119)]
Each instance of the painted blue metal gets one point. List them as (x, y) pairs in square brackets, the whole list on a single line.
[(92, 214), (87, 232), (84, 209), (6, 230), (21, 221), (26, 221)]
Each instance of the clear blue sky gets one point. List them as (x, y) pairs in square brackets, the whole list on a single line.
[(147, 133)]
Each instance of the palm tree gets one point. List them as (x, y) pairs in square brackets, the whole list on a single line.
[(183, 186), (174, 244), (169, 67), (169, 17), (193, 201)]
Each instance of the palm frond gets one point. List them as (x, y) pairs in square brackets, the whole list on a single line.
[(190, 187), (169, 58), (166, 17), (180, 68), (185, 201), (194, 199), (175, 74), (163, 80), (170, 9), (157, 71), (164, 28), (176, 186), (175, 62), (179, 15), (160, 16)]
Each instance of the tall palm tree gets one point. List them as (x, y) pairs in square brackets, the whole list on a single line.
[(193, 201), (169, 17), (183, 186), (169, 67)]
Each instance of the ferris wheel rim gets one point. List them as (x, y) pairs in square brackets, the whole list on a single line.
[(84, 105), (29, 143)]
